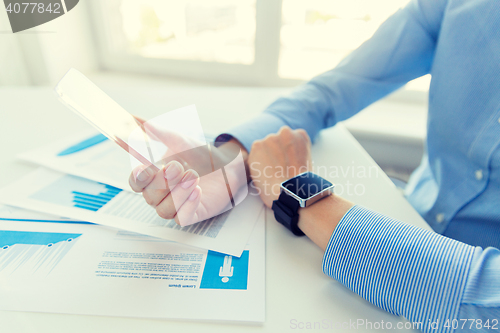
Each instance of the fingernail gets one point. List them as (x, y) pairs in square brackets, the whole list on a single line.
[(188, 183), (172, 171), (194, 195), (142, 174)]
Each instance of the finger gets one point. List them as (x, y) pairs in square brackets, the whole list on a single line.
[(173, 173), (140, 178), (285, 129), (187, 214), (304, 134), (178, 195), (163, 182)]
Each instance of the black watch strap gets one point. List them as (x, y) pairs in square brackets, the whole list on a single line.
[(286, 212)]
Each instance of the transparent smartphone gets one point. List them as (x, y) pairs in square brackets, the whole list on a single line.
[(83, 97), (185, 137)]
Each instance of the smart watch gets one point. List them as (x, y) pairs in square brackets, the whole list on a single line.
[(302, 190)]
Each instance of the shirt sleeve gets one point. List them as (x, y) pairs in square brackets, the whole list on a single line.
[(400, 50), (431, 280)]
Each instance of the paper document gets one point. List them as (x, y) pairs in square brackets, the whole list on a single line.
[(82, 155), (60, 194), (102, 161), (11, 213), (87, 269)]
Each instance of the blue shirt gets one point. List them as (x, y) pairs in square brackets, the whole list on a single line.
[(421, 275)]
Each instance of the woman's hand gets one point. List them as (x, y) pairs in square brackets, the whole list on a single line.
[(186, 188)]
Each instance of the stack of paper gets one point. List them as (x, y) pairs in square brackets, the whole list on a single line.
[(111, 254)]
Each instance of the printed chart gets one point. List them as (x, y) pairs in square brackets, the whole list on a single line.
[(71, 191), (28, 253)]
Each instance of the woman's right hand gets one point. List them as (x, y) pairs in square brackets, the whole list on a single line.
[(178, 192)]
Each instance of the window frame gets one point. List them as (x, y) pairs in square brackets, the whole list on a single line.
[(262, 72)]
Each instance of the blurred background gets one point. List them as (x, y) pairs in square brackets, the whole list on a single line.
[(243, 42), (250, 43)]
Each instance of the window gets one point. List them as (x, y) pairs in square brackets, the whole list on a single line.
[(213, 31), (322, 32), (264, 42)]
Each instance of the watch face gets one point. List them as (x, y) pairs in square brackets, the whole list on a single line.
[(306, 185)]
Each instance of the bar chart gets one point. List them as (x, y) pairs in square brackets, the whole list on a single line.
[(94, 202), (72, 191)]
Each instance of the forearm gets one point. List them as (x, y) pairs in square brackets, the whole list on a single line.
[(401, 50), (403, 269), (319, 220)]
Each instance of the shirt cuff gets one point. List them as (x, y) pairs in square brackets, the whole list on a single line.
[(402, 269)]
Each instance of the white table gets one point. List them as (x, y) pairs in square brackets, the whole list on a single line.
[(296, 288)]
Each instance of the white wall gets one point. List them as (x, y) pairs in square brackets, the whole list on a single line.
[(12, 66), (41, 55)]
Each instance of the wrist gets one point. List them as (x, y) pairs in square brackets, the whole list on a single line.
[(235, 145), (239, 145), (319, 220), (230, 156), (228, 151)]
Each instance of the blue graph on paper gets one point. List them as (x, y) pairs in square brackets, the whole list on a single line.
[(28, 253), (71, 191), (92, 201)]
